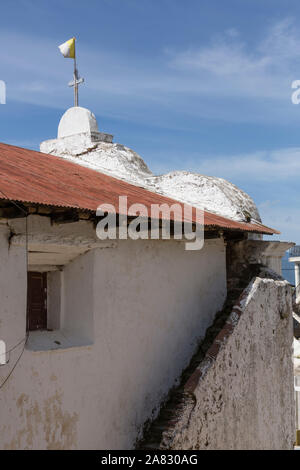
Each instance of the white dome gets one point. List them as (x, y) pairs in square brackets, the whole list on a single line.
[(77, 120), (114, 159), (206, 192), (76, 142)]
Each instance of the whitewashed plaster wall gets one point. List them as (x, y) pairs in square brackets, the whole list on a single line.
[(12, 289), (149, 303), (243, 389)]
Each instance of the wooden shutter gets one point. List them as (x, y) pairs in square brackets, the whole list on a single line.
[(37, 301)]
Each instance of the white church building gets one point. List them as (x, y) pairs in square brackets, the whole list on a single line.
[(100, 335)]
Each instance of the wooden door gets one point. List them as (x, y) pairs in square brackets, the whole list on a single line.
[(37, 301)]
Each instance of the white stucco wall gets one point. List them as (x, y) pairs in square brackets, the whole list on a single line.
[(147, 302), (243, 389), (12, 290)]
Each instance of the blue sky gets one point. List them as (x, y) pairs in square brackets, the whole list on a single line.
[(198, 85)]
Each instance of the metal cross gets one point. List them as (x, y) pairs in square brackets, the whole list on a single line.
[(75, 82)]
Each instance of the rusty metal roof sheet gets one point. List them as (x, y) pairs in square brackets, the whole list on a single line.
[(34, 177)]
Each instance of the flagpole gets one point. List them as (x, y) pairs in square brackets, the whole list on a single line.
[(75, 79), (67, 51)]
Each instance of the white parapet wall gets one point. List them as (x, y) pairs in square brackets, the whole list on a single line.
[(243, 393)]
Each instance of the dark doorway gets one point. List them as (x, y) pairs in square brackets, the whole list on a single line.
[(36, 301)]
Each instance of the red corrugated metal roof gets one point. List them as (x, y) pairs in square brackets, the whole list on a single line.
[(29, 176)]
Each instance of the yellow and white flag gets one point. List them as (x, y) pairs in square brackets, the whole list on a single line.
[(68, 48)]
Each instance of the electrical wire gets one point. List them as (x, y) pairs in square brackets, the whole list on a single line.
[(14, 347), (26, 262)]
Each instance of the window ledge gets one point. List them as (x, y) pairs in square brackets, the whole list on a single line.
[(54, 340)]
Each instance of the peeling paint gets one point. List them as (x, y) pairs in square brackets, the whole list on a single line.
[(49, 421)]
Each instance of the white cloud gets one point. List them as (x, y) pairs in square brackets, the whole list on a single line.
[(272, 166), (282, 42), (221, 59), (229, 65)]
